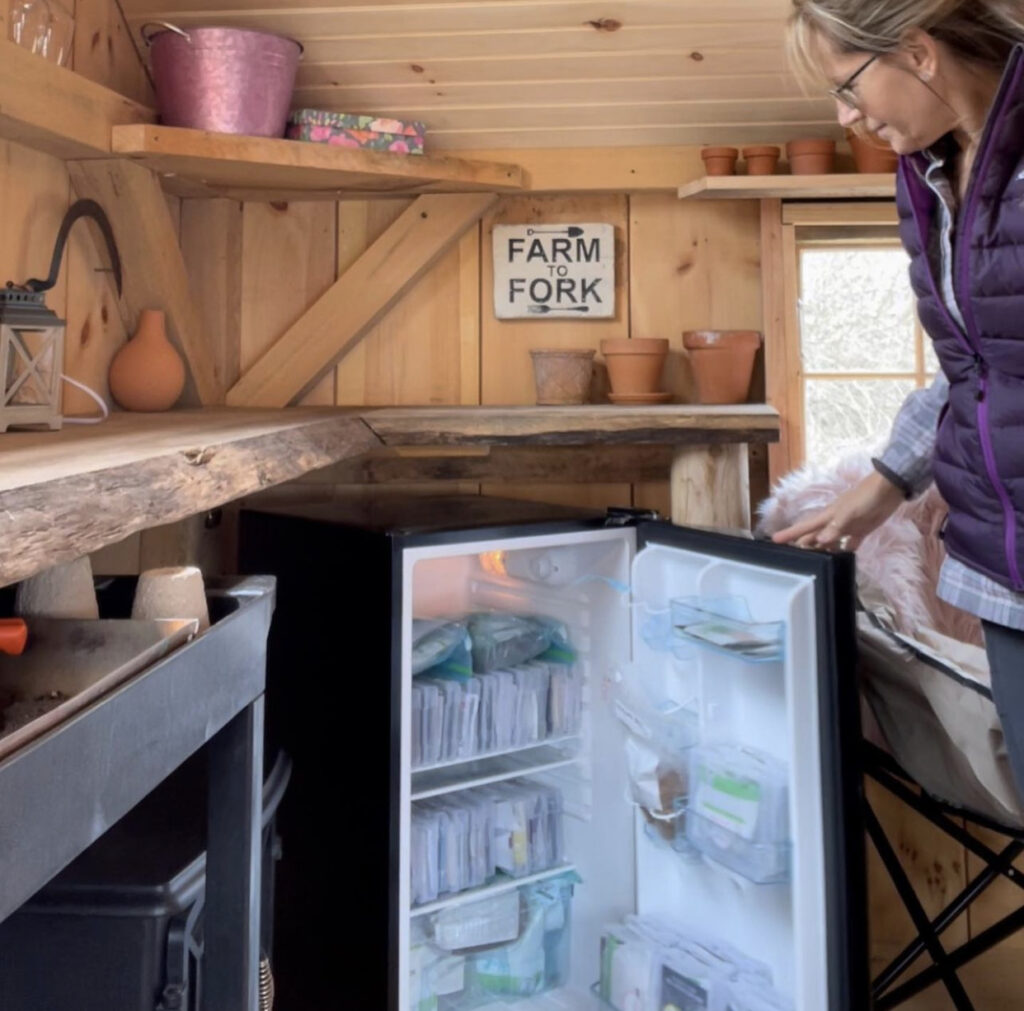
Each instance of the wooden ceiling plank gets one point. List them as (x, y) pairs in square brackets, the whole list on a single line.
[(136, 9), (346, 312), (337, 21), (427, 97), (563, 67), (606, 114), (487, 45)]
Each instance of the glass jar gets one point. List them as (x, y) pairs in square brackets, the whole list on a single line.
[(44, 27)]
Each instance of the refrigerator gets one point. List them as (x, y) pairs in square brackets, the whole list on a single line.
[(553, 760)]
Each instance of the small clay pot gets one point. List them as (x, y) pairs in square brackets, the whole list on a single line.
[(720, 161), (723, 363), (63, 591), (634, 364), (176, 592), (562, 375), (147, 374), (761, 160), (871, 153), (812, 157)]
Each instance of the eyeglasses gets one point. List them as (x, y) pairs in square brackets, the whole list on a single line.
[(844, 92)]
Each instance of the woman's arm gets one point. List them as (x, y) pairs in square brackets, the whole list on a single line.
[(903, 470)]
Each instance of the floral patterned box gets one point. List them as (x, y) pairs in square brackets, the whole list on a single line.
[(344, 130)]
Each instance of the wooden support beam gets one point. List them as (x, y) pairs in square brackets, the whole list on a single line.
[(522, 464), (364, 293), (154, 269), (56, 110), (711, 487)]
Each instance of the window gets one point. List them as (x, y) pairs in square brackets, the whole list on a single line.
[(861, 347), (843, 344)]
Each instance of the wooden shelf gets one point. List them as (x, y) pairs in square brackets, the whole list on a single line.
[(65, 494), (194, 163), (848, 186), (57, 111), (669, 424)]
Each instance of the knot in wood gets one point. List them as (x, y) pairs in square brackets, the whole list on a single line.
[(199, 457)]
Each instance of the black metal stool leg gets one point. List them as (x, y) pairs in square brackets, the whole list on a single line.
[(913, 905), (899, 965)]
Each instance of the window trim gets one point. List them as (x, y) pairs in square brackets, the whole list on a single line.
[(785, 228)]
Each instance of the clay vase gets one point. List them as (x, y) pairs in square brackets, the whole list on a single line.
[(147, 374), (634, 364), (723, 363), (871, 153), (761, 159), (562, 375), (816, 156), (720, 161)]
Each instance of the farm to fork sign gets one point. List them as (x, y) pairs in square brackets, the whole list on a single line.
[(554, 271)]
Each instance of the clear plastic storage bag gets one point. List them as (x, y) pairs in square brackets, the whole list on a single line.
[(738, 814)]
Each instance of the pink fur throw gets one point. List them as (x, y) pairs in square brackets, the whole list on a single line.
[(902, 558)]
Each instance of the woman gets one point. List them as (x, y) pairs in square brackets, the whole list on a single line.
[(943, 82)]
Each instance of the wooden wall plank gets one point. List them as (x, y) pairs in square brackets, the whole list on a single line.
[(288, 264), (679, 252), (211, 244), (415, 354), (105, 52), (154, 271), (506, 369), (340, 319)]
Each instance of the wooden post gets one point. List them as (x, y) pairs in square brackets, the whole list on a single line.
[(711, 487)]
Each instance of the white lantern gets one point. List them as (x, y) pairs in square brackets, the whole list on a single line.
[(32, 336), (31, 358)]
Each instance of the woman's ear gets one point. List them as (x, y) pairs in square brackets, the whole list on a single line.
[(921, 53)]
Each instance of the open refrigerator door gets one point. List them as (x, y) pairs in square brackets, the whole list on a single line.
[(612, 777)]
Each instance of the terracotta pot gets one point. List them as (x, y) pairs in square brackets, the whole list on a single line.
[(761, 160), (816, 156), (634, 365), (720, 161), (561, 375), (147, 374), (871, 153), (723, 363)]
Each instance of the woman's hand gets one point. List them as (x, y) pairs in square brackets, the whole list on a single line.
[(848, 520)]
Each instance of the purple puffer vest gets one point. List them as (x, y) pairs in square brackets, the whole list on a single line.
[(979, 453)]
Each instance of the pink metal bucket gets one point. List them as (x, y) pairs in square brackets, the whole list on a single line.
[(226, 80)]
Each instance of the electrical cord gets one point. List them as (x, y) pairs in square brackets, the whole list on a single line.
[(95, 396)]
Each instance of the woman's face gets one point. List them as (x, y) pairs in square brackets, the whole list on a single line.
[(891, 96)]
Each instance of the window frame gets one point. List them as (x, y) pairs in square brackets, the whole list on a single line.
[(785, 229)]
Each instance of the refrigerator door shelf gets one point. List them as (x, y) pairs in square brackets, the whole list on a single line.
[(724, 625)]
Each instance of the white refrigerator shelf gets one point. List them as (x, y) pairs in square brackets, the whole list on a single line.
[(503, 884), (480, 772)]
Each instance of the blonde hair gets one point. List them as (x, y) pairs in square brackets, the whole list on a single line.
[(979, 31)]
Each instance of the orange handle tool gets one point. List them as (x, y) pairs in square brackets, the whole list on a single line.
[(13, 635)]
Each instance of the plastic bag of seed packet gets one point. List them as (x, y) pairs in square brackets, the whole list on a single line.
[(441, 647), (502, 640)]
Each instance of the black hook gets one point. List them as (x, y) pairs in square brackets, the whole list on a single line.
[(80, 209)]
